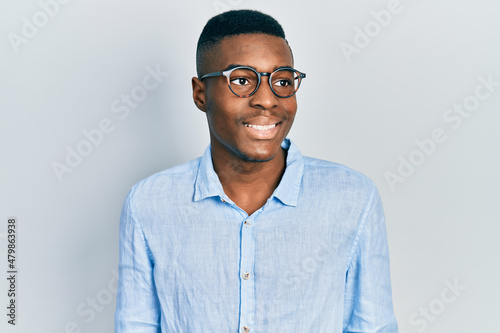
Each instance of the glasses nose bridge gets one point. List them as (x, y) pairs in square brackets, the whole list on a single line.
[(266, 74), (261, 74)]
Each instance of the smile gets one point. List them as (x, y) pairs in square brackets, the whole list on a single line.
[(262, 127)]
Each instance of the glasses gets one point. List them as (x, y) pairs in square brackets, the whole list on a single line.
[(244, 81)]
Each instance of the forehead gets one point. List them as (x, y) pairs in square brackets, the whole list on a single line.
[(263, 52)]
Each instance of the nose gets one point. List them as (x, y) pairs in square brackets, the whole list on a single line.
[(264, 97)]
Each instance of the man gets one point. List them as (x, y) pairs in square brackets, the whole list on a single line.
[(252, 237)]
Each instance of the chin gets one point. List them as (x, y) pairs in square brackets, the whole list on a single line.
[(258, 159), (258, 156)]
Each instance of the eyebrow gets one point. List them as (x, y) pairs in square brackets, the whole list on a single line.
[(240, 65)]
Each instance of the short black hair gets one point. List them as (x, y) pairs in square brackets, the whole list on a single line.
[(231, 23)]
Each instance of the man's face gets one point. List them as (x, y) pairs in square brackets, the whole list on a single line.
[(251, 128)]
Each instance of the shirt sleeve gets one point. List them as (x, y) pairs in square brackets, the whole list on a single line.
[(137, 305), (368, 296)]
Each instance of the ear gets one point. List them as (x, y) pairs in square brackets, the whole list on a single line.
[(199, 93)]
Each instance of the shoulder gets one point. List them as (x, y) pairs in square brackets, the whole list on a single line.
[(336, 172), (170, 180), (321, 174)]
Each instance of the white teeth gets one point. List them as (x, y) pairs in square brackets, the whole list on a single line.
[(261, 127)]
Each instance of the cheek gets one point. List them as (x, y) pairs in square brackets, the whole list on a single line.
[(223, 115), (291, 108), (227, 108), (216, 102)]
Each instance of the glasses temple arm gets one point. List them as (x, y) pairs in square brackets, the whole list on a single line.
[(212, 74)]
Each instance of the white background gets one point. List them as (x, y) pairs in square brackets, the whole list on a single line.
[(365, 110)]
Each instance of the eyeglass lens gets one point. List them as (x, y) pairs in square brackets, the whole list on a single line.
[(244, 81)]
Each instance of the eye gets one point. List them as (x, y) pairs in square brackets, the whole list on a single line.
[(283, 83), (240, 81)]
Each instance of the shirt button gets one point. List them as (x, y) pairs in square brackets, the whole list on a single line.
[(246, 275), (247, 223), (246, 329)]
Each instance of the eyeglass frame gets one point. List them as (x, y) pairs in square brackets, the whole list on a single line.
[(227, 74)]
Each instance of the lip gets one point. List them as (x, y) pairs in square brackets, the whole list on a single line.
[(265, 131), (262, 120)]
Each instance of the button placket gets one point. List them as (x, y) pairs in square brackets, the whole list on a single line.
[(247, 304)]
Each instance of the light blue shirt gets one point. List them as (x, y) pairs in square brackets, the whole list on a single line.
[(313, 259)]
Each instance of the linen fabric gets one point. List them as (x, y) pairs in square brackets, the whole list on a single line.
[(313, 259)]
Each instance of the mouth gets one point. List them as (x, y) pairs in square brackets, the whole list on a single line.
[(262, 127), (262, 130)]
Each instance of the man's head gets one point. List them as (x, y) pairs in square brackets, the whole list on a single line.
[(249, 128), (231, 23)]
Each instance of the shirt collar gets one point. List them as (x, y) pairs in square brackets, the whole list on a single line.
[(207, 182)]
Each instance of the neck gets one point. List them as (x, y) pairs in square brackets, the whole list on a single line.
[(249, 184), (235, 171)]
